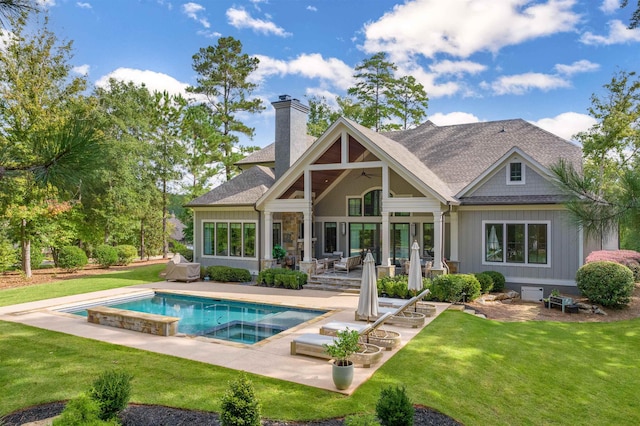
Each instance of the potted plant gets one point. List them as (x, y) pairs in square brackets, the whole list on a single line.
[(278, 253), (343, 347)]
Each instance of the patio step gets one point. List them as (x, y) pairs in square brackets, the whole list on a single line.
[(333, 282)]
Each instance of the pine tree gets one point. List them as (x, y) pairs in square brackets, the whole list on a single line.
[(223, 78)]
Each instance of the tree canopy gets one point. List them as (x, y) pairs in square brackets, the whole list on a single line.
[(223, 78), (607, 192)]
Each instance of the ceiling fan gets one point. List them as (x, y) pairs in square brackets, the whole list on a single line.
[(363, 173)]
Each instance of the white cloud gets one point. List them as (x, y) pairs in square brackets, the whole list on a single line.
[(618, 34), (209, 34), (167, 4), (610, 6), (46, 3), (462, 27), (81, 69), (82, 5), (154, 81), (566, 125), (240, 18), (193, 10), (428, 80), (457, 68), (522, 83), (330, 71), (577, 67), (312, 8), (456, 117)]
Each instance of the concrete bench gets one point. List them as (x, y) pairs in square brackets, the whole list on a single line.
[(159, 325)]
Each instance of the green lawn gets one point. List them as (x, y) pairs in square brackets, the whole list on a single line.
[(477, 371), (141, 275)]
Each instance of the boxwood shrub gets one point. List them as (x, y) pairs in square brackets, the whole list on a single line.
[(498, 280), (455, 287), (106, 255), (227, 274), (398, 286), (606, 283), (486, 282), (281, 277), (72, 258), (126, 254)]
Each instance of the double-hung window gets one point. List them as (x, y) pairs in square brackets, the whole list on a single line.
[(516, 242)]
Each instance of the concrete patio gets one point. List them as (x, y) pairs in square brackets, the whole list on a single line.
[(270, 357)]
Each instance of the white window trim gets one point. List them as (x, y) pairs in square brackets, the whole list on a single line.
[(526, 263), (215, 239), (523, 169)]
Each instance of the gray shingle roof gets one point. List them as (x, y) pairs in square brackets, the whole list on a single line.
[(262, 156), (407, 159), (446, 158), (460, 153), (244, 189)]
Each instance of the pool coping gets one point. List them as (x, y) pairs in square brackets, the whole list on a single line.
[(271, 357)]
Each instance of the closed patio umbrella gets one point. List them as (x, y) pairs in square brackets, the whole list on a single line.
[(368, 300), (415, 270)]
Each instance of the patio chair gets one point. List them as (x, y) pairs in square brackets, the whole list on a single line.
[(311, 344), (402, 315), (384, 338)]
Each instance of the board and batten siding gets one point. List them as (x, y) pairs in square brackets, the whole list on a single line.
[(535, 184), (229, 215), (563, 246)]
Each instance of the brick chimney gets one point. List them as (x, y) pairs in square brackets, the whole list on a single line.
[(291, 132)]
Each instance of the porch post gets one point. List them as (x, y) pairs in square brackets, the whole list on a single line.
[(384, 240), (437, 243), (307, 235), (453, 236), (268, 235)]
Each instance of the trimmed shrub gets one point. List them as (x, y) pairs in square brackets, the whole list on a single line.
[(8, 255), (72, 258), (239, 404), (486, 282), (281, 277), (394, 407), (105, 255), (227, 274), (111, 390), (126, 254), (398, 286), (81, 411), (180, 248), (628, 258), (606, 283), (455, 287), (498, 280)]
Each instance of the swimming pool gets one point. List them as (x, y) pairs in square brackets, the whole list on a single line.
[(242, 322)]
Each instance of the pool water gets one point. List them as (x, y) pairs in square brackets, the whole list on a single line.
[(236, 321)]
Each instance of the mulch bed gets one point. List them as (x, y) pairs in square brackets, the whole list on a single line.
[(156, 415)]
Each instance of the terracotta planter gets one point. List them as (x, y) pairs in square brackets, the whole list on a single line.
[(342, 375)]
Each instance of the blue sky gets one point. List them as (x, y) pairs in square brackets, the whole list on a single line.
[(479, 60)]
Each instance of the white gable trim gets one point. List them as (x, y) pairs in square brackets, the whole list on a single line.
[(527, 161), (342, 128)]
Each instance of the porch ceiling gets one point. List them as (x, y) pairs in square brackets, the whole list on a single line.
[(322, 179)]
